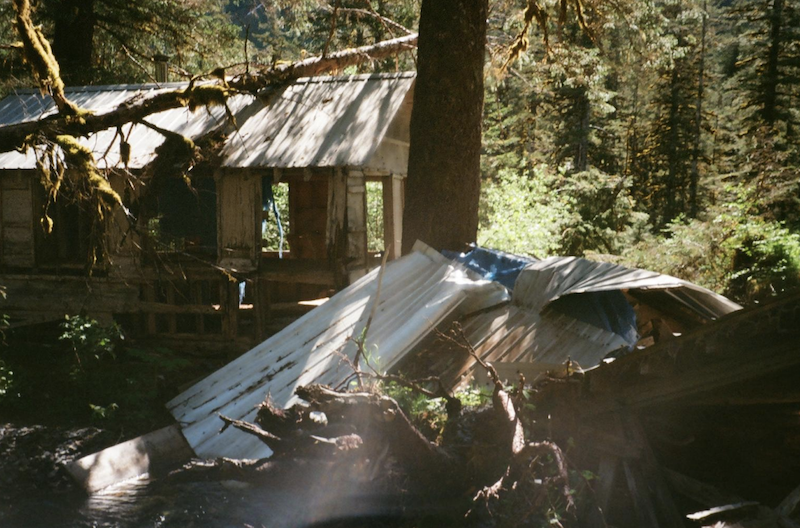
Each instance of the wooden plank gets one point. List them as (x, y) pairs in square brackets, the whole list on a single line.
[(659, 494), (606, 477), (297, 271), (239, 211), (642, 504), (356, 221), (697, 491), (789, 506), (197, 299), (153, 453), (335, 231), (720, 354), (729, 512)]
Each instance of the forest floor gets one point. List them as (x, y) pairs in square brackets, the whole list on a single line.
[(57, 405)]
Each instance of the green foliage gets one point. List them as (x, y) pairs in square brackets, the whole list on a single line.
[(270, 236), (519, 214), (103, 413), (734, 251), (82, 370), (429, 415), (90, 340), (601, 215), (6, 380), (545, 214), (375, 216)]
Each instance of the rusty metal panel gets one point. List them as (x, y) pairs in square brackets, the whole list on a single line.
[(418, 292)]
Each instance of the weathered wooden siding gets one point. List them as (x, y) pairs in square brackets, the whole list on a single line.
[(16, 205), (239, 219), (356, 252), (393, 215)]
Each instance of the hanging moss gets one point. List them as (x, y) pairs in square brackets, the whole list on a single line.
[(39, 55), (80, 161), (205, 95)]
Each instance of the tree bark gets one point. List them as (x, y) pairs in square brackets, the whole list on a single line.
[(73, 38), (443, 184)]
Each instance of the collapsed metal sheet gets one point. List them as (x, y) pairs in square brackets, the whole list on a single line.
[(526, 332), (418, 292), (543, 282)]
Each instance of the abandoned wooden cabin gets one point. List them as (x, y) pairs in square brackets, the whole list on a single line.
[(194, 262)]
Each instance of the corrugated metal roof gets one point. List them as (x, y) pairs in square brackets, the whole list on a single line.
[(313, 122), (526, 332), (30, 106), (513, 334), (543, 282), (320, 122), (418, 292)]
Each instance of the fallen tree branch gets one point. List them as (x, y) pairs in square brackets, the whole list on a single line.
[(139, 107), (272, 441)]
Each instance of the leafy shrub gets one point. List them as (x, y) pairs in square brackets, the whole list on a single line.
[(601, 215), (733, 251), (520, 214)]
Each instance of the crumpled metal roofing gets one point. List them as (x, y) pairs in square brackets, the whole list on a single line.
[(524, 331), (418, 292), (312, 122), (542, 282)]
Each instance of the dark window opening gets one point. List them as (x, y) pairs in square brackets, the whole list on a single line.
[(76, 234), (183, 217)]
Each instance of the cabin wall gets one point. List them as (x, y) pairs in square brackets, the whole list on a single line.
[(17, 244), (239, 219), (356, 251), (123, 243)]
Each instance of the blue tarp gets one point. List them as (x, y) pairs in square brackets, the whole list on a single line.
[(609, 310), (492, 264)]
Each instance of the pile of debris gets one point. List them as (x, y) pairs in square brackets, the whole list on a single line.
[(619, 397)]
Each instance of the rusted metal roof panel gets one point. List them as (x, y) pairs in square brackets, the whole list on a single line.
[(542, 282), (320, 122), (418, 292)]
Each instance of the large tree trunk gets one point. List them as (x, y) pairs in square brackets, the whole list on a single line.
[(443, 185), (73, 38)]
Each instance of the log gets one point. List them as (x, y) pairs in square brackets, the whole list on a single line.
[(138, 108)]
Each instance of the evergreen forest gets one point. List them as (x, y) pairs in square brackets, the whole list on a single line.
[(660, 134)]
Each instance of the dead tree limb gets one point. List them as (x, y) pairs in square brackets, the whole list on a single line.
[(139, 107), (272, 441)]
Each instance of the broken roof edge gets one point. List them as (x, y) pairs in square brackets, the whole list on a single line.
[(590, 276), (181, 84), (420, 291)]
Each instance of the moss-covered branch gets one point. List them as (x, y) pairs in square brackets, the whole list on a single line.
[(135, 110), (40, 57)]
